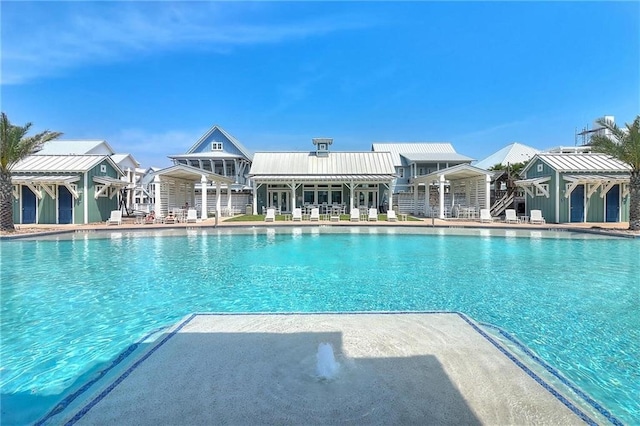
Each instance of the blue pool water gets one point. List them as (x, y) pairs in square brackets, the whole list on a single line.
[(70, 305)]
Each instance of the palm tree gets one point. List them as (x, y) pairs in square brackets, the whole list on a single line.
[(624, 144), (14, 146)]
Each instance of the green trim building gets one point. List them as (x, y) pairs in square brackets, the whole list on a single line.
[(61, 189), (577, 187)]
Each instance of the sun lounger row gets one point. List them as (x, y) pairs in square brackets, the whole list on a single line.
[(511, 217), (314, 216)]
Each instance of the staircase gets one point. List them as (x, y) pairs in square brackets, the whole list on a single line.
[(501, 205)]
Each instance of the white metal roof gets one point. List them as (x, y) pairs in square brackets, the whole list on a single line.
[(588, 163), (59, 163), (181, 171), (51, 179), (125, 160), (404, 148), (337, 164), (208, 155), (71, 147), (510, 154), (460, 171), (436, 157)]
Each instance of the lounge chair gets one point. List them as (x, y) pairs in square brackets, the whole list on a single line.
[(485, 216), (391, 216), (510, 216), (536, 217), (315, 214), (115, 218), (355, 215), (170, 218), (373, 215), (192, 215), (271, 215), (296, 214)]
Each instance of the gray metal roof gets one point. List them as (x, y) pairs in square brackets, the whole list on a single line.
[(436, 157), (404, 148), (343, 165), (593, 162), (71, 147), (60, 163)]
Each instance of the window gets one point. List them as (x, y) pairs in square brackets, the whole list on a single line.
[(539, 168), (401, 172), (216, 146), (101, 191), (103, 168), (543, 189)]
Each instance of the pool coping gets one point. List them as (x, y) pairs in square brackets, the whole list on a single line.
[(94, 396)]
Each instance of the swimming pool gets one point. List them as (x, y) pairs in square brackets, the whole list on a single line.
[(71, 304)]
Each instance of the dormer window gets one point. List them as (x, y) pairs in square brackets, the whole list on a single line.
[(216, 146), (322, 146)]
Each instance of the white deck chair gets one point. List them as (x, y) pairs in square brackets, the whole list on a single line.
[(391, 216), (192, 215), (271, 215), (315, 214), (115, 218), (296, 215), (510, 216), (355, 215), (373, 215), (485, 216), (536, 217)]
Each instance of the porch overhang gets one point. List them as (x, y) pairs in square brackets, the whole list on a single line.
[(37, 183), (109, 185), (459, 172), (593, 182), (528, 185), (363, 178), (193, 174)]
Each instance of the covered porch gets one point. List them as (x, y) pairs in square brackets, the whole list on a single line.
[(174, 187), (458, 188)]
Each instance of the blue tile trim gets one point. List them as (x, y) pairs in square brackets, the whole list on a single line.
[(531, 374), (99, 375), (124, 375), (599, 408), (186, 321)]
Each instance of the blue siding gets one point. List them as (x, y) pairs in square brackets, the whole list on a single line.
[(218, 136)]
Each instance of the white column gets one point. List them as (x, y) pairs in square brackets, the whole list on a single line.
[(427, 194), (158, 203), (441, 206), (255, 197), (351, 197), (203, 210), (229, 198), (391, 196), (218, 199), (416, 188), (487, 188)]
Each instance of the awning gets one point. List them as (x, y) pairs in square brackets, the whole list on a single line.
[(110, 185), (529, 184), (459, 172), (36, 183), (593, 182)]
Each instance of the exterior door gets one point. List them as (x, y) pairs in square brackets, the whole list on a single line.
[(367, 198), (577, 204), (65, 205), (28, 205), (279, 199), (613, 204)]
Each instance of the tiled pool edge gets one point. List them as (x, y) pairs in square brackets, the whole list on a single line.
[(186, 320)]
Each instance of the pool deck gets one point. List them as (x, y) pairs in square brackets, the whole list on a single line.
[(395, 368), (619, 229)]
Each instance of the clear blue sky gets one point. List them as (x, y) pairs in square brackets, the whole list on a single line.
[(151, 78)]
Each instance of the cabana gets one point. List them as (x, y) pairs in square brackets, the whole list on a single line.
[(461, 185)]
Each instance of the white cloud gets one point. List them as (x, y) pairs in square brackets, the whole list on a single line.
[(45, 38)]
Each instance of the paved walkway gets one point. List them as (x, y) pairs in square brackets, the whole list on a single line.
[(426, 368)]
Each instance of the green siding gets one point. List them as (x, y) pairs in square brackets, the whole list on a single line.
[(100, 208)]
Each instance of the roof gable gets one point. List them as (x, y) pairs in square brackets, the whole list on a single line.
[(510, 154), (218, 134)]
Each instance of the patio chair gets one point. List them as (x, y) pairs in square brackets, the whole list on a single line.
[(355, 215), (510, 216), (373, 215), (115, 218), (391, 216), (296, 214), (315, 214), (485, 216), (536, 217), (271, 215), (192, 215)]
